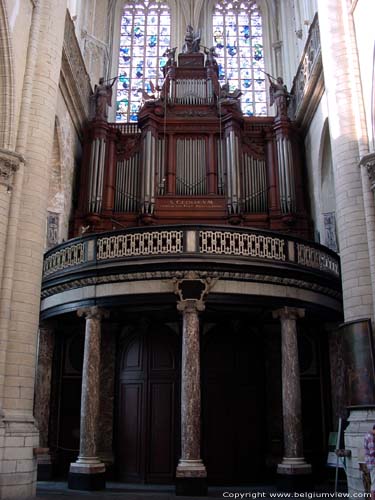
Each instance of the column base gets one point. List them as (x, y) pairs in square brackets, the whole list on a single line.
[(191, 478), (44, 463), (294, 474), (86, 476)]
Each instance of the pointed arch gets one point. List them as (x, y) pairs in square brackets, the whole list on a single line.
[(145, 36), (6, 82), (327, 191)]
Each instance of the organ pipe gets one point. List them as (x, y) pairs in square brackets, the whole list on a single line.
[(233, 174), (96, 175), (191, 91), (191, 176), (254, 184), (286, 175), (127, 185), (148, 181)]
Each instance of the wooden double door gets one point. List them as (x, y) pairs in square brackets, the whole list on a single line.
[(148, 410), (148, 443)]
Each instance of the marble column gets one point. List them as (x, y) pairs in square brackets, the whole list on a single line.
[(87, 473), (191, 473), (42, 401), (293, 463)]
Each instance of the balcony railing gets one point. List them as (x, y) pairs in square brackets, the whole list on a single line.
[(308, 73), (171, 242)]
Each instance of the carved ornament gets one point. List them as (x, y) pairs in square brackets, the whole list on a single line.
[(192, 289), (128, 147), (368, 161), (253, 148), (9, 164)]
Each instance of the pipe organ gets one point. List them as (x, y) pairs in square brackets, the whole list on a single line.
[(192, 157)]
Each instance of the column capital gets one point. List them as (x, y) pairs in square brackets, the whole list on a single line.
[(93, 312), (368, 161), (288, 313), (47, 327), (191, 305), (9, 164)]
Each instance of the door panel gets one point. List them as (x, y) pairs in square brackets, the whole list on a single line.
[(130, 433), (161, 442), (233, 408), (147, 408)]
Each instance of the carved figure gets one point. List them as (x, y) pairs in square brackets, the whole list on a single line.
[(192, 41), (171, 54), (153, 98), (228, 97), (279, 96), (211, 61), (103, 98)]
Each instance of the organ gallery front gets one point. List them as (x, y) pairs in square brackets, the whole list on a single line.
[(189, 310)]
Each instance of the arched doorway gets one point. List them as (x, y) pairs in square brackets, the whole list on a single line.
[(148, 407), (233, 404)]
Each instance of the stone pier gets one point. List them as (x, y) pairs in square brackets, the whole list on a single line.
[(191, 473), (87, 473), (43, 399), (293, 471)]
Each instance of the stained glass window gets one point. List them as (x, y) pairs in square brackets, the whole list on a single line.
[(238, 39), (145, 35)]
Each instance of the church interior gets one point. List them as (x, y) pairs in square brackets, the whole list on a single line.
[(187, 242)]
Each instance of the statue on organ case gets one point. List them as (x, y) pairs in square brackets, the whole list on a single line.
[(171, 54), (279, 96), (192, 41), (211, 58), (103, 98)]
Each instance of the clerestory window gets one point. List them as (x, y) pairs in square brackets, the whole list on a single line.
[(145, 35), (238, 40)]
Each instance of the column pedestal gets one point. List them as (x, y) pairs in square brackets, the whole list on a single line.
[(88, 472), (294, 473), (191, 475), (87, 475)]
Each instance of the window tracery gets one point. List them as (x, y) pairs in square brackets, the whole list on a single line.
[(238, 40), (145, 36)]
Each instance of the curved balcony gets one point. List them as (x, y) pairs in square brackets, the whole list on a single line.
[(142, 262)]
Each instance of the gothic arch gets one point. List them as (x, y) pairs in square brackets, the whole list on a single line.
[(6, 81), (327, 191), (56, 202)]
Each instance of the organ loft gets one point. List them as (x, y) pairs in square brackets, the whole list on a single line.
[(192, 157), (189, 271)]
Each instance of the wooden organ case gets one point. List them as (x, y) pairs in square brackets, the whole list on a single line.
[(192, 158)]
